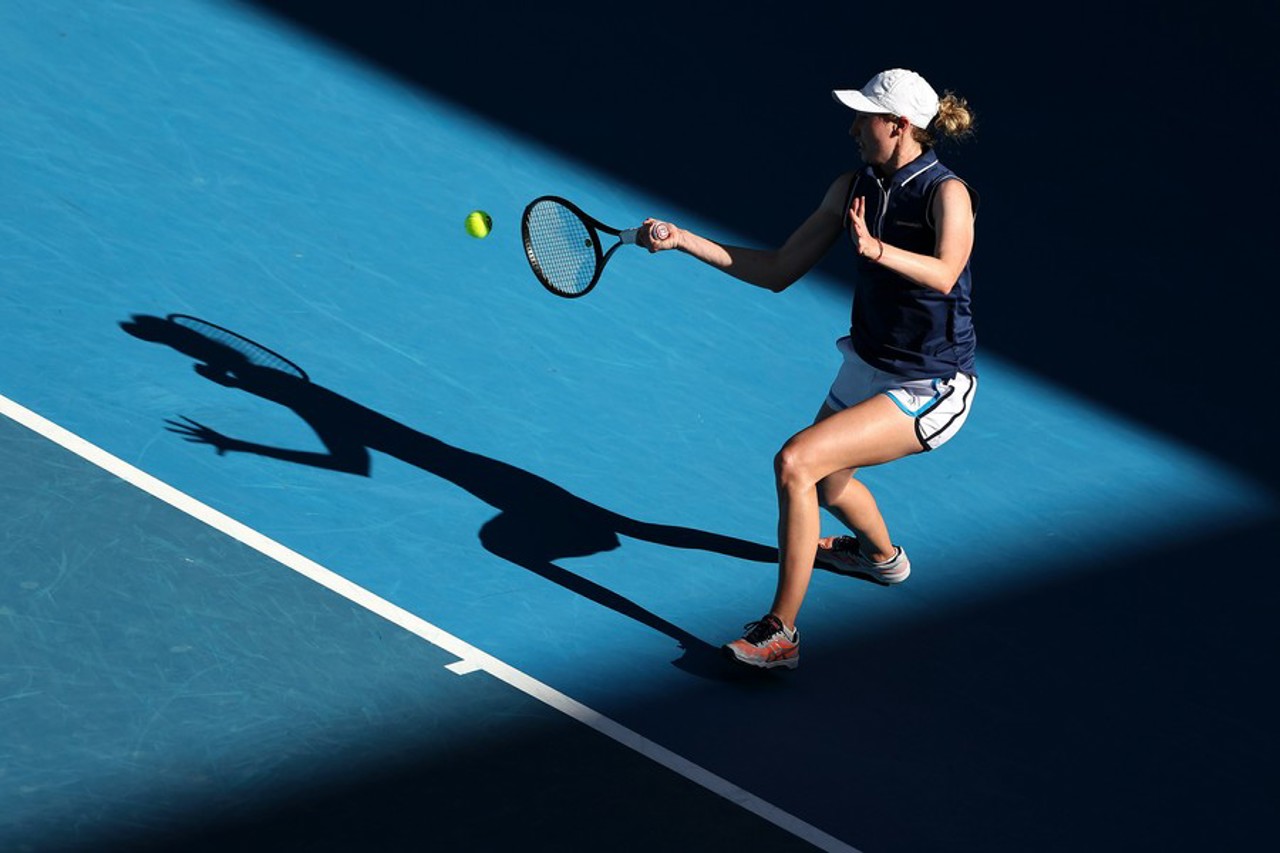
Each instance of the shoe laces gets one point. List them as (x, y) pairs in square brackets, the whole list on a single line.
[(846, 545), (850, 547), (762, 630)]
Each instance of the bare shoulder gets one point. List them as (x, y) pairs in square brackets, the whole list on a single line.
[(953, 196)]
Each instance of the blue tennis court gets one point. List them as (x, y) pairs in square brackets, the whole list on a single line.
[(465, 584)]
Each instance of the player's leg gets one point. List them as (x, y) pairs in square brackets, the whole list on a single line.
[(871, 433), (852, 504)]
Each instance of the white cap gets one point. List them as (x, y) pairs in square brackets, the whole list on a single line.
[(896, 92)]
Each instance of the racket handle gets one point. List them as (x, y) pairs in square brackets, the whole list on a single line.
[(658, 231)]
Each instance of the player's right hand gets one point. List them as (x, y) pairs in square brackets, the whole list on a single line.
[(658, 236)]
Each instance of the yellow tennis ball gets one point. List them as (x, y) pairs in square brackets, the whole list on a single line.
[(479, 223)]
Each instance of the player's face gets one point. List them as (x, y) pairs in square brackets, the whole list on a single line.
[(876, 137)]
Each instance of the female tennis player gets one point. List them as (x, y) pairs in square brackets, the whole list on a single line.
[(908, 377)]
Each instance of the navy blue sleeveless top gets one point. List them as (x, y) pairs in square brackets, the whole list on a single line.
[(897, 326)]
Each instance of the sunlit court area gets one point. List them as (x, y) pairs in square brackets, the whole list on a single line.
[(452, 567)]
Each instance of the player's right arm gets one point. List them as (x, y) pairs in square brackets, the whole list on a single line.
[(773, 269)]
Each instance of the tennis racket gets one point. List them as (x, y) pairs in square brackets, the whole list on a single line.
[(564, 245)]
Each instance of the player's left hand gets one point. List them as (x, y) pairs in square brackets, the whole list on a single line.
[(866, 245)]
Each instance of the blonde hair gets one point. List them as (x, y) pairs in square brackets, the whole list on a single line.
[(954, 120)]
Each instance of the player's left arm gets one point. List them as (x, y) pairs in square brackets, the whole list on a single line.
[(952, 212)]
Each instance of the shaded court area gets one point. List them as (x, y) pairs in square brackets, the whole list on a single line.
[(168, 688)]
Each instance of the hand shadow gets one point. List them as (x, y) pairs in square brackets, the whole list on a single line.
[(538, 522)]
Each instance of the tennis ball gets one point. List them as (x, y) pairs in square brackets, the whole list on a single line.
[(479, 223)]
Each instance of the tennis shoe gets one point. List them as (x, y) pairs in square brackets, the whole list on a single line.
[(842, 554), (766, 645)]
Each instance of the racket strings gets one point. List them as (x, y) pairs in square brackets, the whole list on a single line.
[(561, 248)]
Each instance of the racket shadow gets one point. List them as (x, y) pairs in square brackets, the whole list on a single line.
[(538, 521)]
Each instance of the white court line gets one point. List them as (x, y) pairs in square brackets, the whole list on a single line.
[(463, 667), (470, 657)]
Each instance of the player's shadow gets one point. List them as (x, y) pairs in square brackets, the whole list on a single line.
[(538, 522)]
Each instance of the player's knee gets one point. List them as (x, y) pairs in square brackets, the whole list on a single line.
[(791, 466)]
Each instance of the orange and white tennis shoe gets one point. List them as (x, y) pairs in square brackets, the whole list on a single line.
[(766, 645)]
